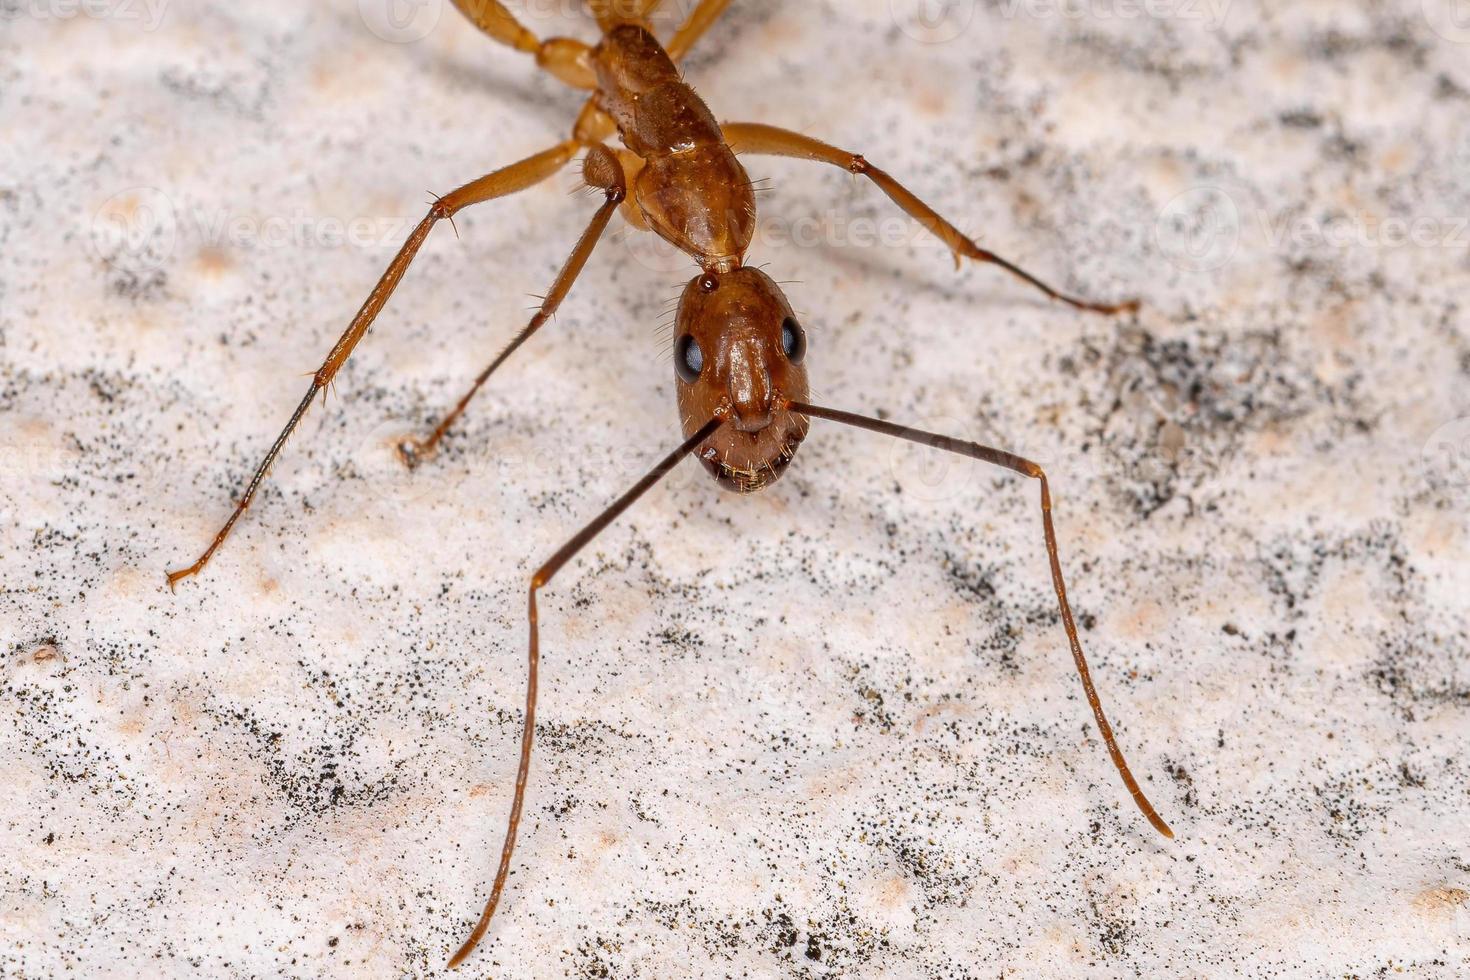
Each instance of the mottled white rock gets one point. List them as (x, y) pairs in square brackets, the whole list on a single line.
[(828, 731)]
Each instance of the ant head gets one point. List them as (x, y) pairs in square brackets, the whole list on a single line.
[(738, 352)]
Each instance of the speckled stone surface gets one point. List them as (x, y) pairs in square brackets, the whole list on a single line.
[(831, 730)]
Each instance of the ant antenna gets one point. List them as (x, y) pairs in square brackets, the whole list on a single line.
[(1025, 467), (538, 581)]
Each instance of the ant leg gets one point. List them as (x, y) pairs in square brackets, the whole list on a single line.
[(1024, 467), (516, 177), (566, 58), (593, 125), (700, 20), (772, 140), (601, 170), (528, 725)]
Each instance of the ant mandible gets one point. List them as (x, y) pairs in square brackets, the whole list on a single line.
[(739, 352)]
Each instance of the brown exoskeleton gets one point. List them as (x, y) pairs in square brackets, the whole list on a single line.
[(739, 350)]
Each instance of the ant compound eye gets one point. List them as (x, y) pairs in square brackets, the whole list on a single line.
[(688, 359), (793, 340)]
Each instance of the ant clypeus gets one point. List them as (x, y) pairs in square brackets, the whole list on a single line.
[(739, 348)]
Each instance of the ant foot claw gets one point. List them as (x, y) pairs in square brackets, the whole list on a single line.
[(412, 452), (175, 577)]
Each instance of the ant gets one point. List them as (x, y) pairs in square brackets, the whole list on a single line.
[(739, 351)]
